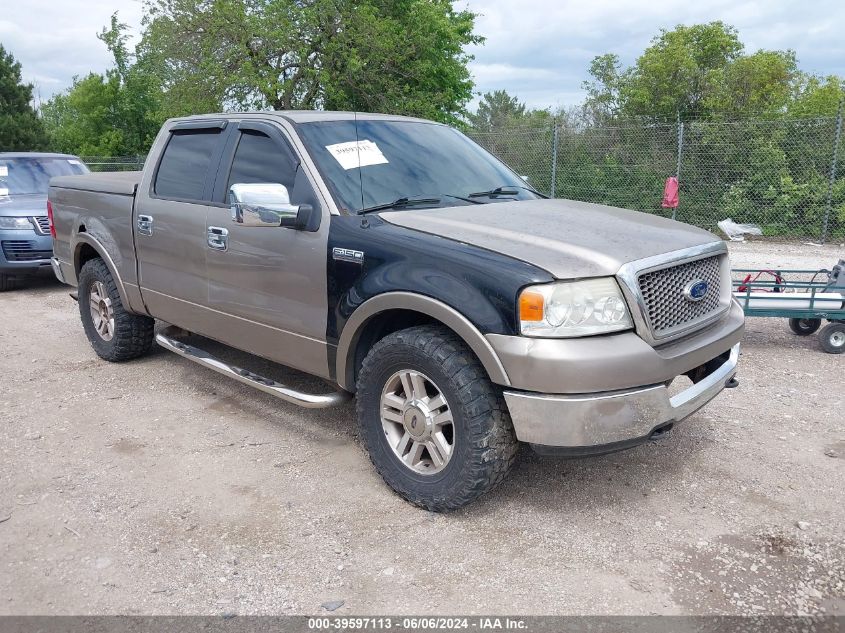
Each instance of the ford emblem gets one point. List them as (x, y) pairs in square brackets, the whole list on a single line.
[(695, 290)]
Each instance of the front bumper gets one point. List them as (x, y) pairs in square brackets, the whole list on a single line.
[(602, 422), (24, 252)]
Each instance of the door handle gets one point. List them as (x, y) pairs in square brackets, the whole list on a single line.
[(145, 224), (218, 238)]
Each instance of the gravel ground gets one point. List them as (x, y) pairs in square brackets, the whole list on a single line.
[(156, 487)]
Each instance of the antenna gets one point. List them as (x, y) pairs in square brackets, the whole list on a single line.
[(358, 153)]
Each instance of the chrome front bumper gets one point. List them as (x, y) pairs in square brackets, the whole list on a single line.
[(57, 269), (611, 418)]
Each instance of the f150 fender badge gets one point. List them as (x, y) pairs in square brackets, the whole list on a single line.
[(695, 290), (348, 255)]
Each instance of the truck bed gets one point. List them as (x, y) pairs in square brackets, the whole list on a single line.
[(118, 182)]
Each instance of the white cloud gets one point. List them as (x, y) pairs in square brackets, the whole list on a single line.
[(537, 49), (563, 37), (55, 40)]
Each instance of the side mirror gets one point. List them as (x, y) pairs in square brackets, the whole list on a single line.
[(266, 204)]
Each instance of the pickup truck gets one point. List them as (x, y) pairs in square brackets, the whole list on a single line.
[(403, 264)]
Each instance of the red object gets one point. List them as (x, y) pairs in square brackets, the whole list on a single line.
[(50, 219), (775, 288), (670, 193)]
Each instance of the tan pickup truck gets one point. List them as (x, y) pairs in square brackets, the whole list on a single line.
[(406, 266)]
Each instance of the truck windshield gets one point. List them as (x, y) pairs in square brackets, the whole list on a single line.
[(21, 175), (378, 162)]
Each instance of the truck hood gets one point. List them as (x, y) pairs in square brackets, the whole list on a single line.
[(34, 204), (568, 239)]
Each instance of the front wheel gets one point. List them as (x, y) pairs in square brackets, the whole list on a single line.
[(436, 428), (7, 282), (832, 337), (804, 327), (114, 333)]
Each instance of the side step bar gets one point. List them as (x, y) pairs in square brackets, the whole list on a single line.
[(201, 357)]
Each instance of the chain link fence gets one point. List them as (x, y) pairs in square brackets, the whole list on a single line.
[(786, 176), (114, 163)]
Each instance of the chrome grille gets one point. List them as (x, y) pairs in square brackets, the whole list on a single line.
[(42, 224), (667, 309)]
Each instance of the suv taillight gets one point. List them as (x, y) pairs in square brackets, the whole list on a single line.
[(50, 218)]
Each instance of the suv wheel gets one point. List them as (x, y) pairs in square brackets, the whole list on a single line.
[(114, 333), (436, 428), (7, 282)]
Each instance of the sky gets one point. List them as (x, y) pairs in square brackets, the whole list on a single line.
[(538, 50)]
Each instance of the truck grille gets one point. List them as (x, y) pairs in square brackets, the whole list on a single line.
[(667, 308), (23, 251), (42, 224)]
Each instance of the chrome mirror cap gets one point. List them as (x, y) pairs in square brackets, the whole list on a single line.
[(261, 204)]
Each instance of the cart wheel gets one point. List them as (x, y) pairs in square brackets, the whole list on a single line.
[(804, 327), (832, 338)]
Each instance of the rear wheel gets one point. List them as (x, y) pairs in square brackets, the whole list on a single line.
[(804, 327), (114, 333), (832, 338), (436, 428)]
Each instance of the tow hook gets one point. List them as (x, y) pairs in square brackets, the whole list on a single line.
[(733, 383)]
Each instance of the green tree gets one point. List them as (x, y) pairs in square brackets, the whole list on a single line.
[(675, 73), (20, 127), (112, 114), (752, 85), (817, 96), (698, 71), (400, 56), (603, 101), (496, 111)]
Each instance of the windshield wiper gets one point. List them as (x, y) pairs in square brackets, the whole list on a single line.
[(507, 190), (494, 193), (399, 203), (464, 198)]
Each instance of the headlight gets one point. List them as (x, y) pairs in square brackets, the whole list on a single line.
[(573, 308), (7, 222)]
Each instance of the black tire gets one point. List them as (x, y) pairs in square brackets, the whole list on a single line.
[(484, 446), (804, 327), (133, 333), (7, 282), (832, 337)]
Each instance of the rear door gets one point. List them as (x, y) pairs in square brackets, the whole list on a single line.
[(170, 222), (272, 280)]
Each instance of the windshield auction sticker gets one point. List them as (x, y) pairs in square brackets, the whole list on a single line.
[(357, 154)]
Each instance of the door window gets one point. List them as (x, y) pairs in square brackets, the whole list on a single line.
[(184, 167), (259, 158)]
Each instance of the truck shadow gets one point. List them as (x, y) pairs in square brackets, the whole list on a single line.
[(39, 285), (609, 480), (629, 476)]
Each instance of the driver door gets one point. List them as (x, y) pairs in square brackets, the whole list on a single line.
[(267, 284)]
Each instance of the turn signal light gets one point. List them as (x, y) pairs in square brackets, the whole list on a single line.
[(531, 306), (50, 219)]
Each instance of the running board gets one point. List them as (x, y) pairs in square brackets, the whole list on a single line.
[(201, 357)]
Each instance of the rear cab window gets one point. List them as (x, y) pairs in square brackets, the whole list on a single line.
[(186, 164)]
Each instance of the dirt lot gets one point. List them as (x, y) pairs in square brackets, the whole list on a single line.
[(156, 486)]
